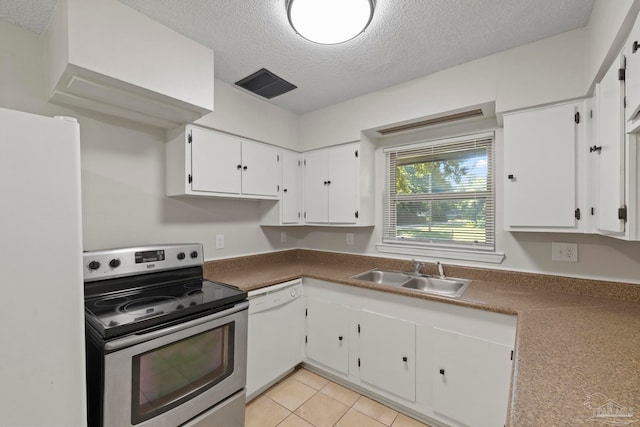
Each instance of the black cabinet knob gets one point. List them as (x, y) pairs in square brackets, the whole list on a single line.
[(635, 47), (511, 176), (244, 168), (404, 358), (340, 338), (441, 371), (239, 167)]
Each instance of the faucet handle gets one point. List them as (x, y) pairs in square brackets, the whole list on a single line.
[(440, 269), (417, 266)]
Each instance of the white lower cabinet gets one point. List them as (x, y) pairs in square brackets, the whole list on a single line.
[(471, 378), (441, 363), (327, 334), (387, 353)]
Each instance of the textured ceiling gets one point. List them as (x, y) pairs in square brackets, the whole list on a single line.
[(406, 39)]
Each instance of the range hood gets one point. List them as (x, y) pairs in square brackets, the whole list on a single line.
[(106, 57)]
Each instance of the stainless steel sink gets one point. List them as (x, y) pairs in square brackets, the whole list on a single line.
[(384, 277), (450, 287)]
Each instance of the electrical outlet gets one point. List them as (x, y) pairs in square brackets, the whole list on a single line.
[(564, 252), (349, 238), (283, 236), (219, 241)]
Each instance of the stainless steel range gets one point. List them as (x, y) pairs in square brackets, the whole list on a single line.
[(164, 346)]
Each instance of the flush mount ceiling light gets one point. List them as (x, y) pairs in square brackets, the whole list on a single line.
[(329, 21)]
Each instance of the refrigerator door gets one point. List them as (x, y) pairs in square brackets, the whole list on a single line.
[(42, 368)]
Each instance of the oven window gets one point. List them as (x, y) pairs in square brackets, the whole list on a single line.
[(165, 377)]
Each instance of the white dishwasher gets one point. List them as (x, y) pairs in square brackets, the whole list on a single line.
[(275, 335)]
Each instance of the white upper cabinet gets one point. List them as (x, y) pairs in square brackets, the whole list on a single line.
[(203, 162), (632, 78), (288, 210), (609, 151), (542, 164), (338, 185), (615, 154), (106, 57)]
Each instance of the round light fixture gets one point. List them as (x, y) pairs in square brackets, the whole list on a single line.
[(329, 21)]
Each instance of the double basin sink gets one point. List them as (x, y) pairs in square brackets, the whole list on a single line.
[(449, 287)]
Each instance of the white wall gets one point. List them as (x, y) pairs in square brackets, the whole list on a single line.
[(244, 114), (609, 23), (123, 165), (542, 72)]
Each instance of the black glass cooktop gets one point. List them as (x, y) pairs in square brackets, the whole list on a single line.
[(116, 308)]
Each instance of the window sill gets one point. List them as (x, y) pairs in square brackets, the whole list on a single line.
[(442, 253)]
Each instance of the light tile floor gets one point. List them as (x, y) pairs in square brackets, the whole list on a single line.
[(305, 399)]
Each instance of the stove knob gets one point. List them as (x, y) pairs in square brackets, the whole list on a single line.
[(94, 265), (114, 263), (181, 256), (194, 254)]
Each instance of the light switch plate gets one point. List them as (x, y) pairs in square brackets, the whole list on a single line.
[(567, 252)]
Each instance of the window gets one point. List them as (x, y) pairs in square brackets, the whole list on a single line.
[(441, 194)]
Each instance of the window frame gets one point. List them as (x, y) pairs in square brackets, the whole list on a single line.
[(442, 249)]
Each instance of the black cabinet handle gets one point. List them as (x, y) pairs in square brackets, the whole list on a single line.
[(595, 148), (244, 168), (340, 338), (285, 190), (441, 371), (239, 167), (404, 358), (511, 176), (635, 47)]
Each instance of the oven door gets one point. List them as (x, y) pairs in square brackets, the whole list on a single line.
[(168, 376)]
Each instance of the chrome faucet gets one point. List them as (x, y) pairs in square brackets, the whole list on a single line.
[(417, 266), (440, 269)]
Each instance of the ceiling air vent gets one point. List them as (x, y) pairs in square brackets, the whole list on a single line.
[(431, 122), (266, 84)]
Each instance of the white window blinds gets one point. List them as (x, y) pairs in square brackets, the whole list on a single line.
[(441, 193)]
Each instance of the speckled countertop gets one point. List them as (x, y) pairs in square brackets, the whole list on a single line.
[(578, 341)]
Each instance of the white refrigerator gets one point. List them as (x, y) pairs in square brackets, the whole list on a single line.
[(42, 368)]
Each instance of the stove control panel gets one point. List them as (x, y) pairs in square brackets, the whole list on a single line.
[(117, 262)]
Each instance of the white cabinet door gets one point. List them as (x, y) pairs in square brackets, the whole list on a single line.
[(632, 76), (387, 354), (343, 179), (540, 168), (316, 193), (610, 94), (471, 379), (291, 188), (260, 169), (215, 162), (327, 334)]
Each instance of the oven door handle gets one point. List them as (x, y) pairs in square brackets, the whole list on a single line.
[(130, 340)]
